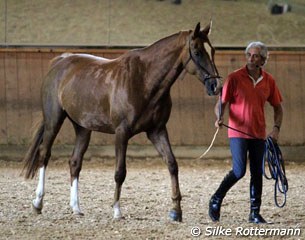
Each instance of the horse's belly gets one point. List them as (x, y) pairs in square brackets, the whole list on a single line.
[(97, 123), (87, 106), (92, 121)]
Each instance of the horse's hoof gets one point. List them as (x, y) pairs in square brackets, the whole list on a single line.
[(175, 216), (36, 210), (78, 213), (117, 216)]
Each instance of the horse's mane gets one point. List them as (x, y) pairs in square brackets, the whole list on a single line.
[(163, 41), (167, 39)]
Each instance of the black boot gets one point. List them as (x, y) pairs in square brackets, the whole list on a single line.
[(214, 208), (255, 199), (176, 1), (255, 217), (216, 200)]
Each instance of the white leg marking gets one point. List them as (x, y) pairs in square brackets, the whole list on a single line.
[(74, 199), (117, 211), (40, 190)]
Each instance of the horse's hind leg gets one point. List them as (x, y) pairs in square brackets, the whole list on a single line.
[(51, 128), (159, 138), (40, 190), (81, 144)]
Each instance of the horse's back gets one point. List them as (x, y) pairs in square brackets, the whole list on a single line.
[(70, 57), (64, 67), (77, 84)]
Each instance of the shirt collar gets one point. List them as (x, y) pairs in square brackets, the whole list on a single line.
[(252, 79), (257, 81)]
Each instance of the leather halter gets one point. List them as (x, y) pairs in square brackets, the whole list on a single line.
[(199, 66)]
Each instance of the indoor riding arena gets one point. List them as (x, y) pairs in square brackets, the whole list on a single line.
[(152, 47)]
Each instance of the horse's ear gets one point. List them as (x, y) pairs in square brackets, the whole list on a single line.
[(197, 31), (207, 30)]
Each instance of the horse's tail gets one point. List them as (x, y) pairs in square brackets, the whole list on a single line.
[(31, 159)]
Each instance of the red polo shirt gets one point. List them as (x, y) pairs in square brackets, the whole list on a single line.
[(246, 102)]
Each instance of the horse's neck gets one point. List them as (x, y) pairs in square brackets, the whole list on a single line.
[(164, 62), (165, 52)]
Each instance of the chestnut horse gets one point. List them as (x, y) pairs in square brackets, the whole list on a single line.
[(122, 96)]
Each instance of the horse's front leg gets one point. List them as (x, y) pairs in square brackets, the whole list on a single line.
[(160, 140), (121, 141)]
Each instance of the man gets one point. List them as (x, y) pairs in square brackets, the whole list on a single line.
[(246, 91)]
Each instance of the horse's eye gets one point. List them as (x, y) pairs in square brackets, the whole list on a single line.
[(196, 53)]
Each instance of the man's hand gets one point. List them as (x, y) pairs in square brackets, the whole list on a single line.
[(219, 122), (275, 134)]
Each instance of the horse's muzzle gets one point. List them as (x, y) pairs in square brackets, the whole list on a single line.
[(213, 85)]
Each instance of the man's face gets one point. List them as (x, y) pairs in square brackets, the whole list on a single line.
[(254, 59)]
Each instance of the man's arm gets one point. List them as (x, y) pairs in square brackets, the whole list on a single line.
[(219, 113), (278, 117)]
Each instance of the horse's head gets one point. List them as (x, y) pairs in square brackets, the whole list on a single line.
[(201, 53)]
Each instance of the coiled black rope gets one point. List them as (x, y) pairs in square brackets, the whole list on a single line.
[(273, 158)]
